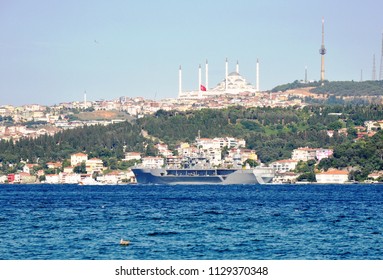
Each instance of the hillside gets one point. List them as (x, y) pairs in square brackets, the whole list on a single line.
[(272, 132), (102, 115), (337, 92)]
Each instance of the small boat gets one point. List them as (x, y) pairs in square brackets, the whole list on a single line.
[(124, 242)]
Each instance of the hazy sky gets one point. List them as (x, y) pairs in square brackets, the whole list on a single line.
[(51, 51)]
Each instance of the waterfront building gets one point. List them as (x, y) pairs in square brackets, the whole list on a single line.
[(285, 177), (332, 176), (52, 179), (26, 178)]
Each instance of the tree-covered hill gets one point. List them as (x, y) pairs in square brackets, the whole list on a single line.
[(97, 141), (272, 132), (351, 88), (364, 155), (338, 88)]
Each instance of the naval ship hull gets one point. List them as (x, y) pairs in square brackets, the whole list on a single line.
[(203, 176)]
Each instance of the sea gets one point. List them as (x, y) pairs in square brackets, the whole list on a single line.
[(184, 222)]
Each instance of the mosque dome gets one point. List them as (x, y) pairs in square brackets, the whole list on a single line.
[(234, 74)]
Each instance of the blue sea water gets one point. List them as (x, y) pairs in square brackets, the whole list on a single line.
[(304, 222)]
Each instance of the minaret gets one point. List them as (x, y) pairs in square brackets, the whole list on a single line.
[(257, 77), (226, 74), (237, 67), (199, 82), (322, 52), (179, 82), (207, 76)]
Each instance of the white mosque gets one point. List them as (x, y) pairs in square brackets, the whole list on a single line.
[(233, 83)]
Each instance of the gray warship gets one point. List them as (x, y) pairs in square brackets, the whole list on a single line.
[(197, 174)]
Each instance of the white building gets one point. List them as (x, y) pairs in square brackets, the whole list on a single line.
[(94, 165), (174, 161), (285, 177), (208, 143), (284, 165), (333, 176), (233, 83), (78, 158), (52, 179), (163, 150), (231, 142), (304, 154), (323, 153), (187, 151), (3, 179), (153, 162), (219, 143), (132, 156), (69, 178)]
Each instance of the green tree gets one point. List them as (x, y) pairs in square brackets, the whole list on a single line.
[(252, 163), (80, 169)]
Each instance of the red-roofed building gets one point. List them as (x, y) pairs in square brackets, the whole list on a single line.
[(332, 176)]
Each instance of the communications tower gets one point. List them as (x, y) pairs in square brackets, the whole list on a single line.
[(381, 63), (322, 52)]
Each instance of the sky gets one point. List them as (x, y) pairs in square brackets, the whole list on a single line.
[(53, 51)]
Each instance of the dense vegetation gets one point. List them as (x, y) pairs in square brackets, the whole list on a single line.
[(351, 88), (338, 88), (294, 85), (364, 155), (105, 142), (272, 132)]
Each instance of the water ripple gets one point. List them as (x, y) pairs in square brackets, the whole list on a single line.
[(188, 222)]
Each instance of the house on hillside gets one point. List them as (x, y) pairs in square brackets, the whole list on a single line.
[(284, 165), (323, 153), (153, 162), (304, 154), (54, 165), (132, 156), (78, 158), (28, 168), (94, 165)]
